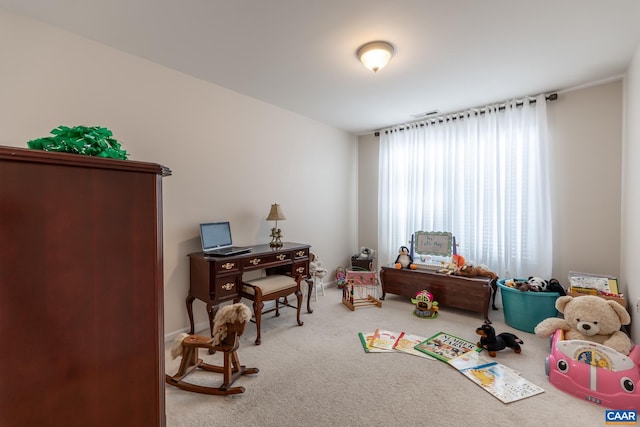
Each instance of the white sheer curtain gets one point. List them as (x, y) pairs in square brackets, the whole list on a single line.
[(482, 177)]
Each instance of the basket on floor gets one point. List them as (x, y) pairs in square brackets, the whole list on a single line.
[(524, 310)]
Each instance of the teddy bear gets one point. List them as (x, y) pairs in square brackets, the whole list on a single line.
[(404, 259), (589, 318)]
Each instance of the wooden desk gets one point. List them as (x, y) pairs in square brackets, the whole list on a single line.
[(466, 293), (215, 280)]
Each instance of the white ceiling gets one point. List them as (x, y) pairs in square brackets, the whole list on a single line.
[(300, 54)]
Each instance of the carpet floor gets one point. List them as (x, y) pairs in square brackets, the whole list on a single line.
[(318, 375)]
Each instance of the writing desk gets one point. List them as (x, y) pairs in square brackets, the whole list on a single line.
[(215, 280)]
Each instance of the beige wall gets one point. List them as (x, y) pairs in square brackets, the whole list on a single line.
[(204, 133), (585, 128), (630, 267), (585, 154), (368, 191)]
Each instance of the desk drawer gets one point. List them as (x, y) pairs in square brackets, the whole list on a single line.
[(267, 260), (228, 266), (227, 288), (301, 268), (301, 253)]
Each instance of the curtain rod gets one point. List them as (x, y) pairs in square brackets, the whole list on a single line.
[(462, 114)]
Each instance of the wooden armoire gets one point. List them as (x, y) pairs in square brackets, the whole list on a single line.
[(81, 291)]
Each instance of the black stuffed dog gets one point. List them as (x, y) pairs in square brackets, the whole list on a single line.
[(492, 343)]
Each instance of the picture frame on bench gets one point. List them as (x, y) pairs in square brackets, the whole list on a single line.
[(432, 244), (435, 243)]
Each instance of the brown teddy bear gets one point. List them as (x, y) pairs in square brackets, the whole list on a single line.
[(590, 318)]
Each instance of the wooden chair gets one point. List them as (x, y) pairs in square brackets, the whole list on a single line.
[(229, 324), (271, 288)]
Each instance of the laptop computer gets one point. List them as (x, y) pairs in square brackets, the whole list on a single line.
[(216, 240)]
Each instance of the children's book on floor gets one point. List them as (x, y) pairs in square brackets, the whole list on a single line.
[(501, 381), (384, 339), (406, 343), (465, 356), (445, 346), (366, 339)]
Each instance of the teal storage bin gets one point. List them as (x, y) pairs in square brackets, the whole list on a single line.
[(524, 310)]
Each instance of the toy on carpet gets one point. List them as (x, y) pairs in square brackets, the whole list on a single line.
[(229, 324), (341, 277), (594, 372), (492, 343), (590, 318), (404, 259), (426, 307)]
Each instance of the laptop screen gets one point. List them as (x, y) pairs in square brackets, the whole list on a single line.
[(215, 235)]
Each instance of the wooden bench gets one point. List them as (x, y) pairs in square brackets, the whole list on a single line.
[(465, 293), (276, 288)]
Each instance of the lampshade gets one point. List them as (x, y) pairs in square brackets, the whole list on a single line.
[(375, 55), (276, 214)]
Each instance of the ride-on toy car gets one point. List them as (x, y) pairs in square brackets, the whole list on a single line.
[(595, 372)]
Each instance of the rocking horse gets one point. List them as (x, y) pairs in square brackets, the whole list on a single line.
[(228, 326)]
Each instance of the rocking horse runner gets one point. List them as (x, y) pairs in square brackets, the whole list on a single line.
[(229, 325)]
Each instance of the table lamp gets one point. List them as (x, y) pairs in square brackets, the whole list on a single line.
[(276, 214)]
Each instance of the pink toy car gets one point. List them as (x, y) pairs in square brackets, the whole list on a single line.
[(595, 372)]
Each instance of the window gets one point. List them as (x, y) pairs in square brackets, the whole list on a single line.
[(481, 176)]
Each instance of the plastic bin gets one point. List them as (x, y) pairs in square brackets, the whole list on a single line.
[(524, 310)]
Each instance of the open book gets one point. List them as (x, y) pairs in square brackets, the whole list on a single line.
[(501, 381), (445, 346)]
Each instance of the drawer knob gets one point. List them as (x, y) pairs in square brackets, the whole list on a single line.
[(255, 261), (228, 286), (300, 253), (281, 257), (228, 265), (300, 270)]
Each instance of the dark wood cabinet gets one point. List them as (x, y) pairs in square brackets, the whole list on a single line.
[(81, 291)]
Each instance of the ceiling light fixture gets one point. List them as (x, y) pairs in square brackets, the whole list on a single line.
[(375, 55)]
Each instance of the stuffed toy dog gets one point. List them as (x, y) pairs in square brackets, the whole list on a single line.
[(492, 343)]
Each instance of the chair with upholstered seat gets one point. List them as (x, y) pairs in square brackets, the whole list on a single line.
[(276, 288)]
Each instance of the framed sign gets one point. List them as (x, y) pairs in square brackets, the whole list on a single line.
[(439, 243)]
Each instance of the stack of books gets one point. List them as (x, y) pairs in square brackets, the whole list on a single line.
[(594, 284)]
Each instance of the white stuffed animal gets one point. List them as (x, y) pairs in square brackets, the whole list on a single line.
[(315, 267), (590, 318)]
